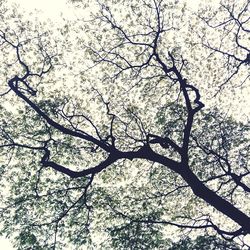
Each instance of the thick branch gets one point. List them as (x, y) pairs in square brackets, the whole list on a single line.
[(50, 121)]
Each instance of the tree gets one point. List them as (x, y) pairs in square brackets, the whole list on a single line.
[(202, 242), (106, 141)]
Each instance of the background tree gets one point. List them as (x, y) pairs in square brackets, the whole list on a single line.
[(202, 242), (105, 138)]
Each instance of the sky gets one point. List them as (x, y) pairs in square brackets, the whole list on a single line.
[(49, 8), (52, 9)]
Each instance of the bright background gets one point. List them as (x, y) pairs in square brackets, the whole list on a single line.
[(52, 9)]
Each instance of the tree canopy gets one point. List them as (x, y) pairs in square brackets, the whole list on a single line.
[(124, 128)]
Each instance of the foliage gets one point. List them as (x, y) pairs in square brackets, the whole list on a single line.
[(203, 242), (116, 128)]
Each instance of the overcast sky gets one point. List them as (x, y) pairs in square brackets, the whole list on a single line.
[(52, 9)]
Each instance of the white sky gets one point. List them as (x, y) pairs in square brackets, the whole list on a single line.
[(5, 244), (49, 7), (52, 9)]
